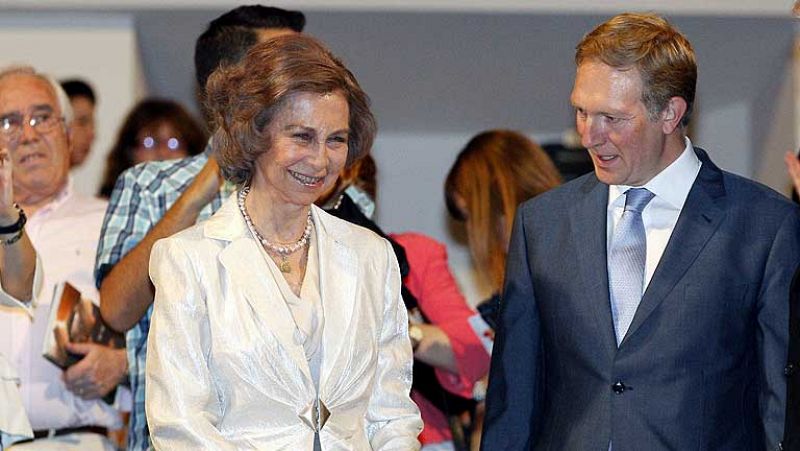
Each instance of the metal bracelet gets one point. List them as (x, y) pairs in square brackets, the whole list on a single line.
[(13, 239), (17, 226)]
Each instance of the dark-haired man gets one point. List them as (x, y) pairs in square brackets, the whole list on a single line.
[(669, 331), (158, 199), (83, 102)]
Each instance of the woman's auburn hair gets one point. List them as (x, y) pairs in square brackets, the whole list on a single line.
[(244, 98), (492, 175)]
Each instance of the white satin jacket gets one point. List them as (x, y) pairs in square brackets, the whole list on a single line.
[(224, 370)]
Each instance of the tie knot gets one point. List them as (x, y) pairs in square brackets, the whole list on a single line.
[(637, 198)]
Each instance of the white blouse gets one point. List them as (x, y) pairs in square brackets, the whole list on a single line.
[(306, 310)]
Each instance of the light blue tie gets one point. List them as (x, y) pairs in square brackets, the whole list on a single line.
[(626, 259)]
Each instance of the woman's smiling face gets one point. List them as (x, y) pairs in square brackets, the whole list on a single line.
[(309, 136)]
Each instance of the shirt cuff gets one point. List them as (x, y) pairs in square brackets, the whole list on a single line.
[(26, 304)]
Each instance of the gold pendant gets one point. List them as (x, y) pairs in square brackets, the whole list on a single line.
[(284, 266)]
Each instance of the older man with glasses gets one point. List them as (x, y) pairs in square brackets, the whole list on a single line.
[(64, 406)]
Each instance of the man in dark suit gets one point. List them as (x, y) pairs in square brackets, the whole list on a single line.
[(645, 304), (791, 438)]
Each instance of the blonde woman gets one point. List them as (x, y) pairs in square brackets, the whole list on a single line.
[(492, 175)]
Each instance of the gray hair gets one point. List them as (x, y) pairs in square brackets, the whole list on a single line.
[(61, 97)]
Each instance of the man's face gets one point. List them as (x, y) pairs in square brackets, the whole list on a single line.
[(627, 148), (82, 129), (41, 158)]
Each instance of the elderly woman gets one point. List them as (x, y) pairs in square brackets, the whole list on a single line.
[(276, 325)]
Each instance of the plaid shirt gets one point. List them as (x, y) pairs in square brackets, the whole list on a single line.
[(141, 197)]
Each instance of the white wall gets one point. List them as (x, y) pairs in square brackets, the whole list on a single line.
[(774, 123), (411, 173), (101, 50), (706, 7), (725, 133)]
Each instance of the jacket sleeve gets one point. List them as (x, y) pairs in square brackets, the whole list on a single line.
[(514, 395), (772, 337), (181, 403), (393, 420)]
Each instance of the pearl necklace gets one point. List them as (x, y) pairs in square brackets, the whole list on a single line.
[(283, 250)]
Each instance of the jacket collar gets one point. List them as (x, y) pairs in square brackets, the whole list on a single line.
[(700, 217), (248, 272)]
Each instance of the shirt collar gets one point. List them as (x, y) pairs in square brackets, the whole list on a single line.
[(671, 185), (57, 201)]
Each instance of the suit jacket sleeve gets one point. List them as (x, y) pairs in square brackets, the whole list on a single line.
[(515, 377), (393, 420), (791, 438), (773, 330), (181, 405)]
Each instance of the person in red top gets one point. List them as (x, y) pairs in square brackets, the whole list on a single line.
[(447, 343)]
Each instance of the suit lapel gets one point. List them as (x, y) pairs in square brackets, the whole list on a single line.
[(248, 271), (591, 254), (700, 217), (338, 270)]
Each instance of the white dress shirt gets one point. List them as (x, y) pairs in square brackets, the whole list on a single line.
[(64, 234), (671, 188)]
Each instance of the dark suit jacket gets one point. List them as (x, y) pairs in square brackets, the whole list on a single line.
[(791, 439), (701, 367)]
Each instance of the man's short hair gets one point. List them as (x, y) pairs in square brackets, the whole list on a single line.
[(662, 55), (229, 36), (60, 95), (75, 87)]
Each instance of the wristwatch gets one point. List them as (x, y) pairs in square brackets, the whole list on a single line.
[(416, 335)]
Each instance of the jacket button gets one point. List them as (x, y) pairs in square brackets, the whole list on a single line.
[(619, 388), (790, 369)]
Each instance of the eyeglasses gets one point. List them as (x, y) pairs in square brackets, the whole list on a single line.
[(151, 143), (12, 124)]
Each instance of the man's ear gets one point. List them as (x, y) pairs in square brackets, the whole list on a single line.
[(672, 114)]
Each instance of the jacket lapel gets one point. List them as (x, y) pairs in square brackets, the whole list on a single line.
[(700, 217), (591, 254), (248, 271), (338, 271)]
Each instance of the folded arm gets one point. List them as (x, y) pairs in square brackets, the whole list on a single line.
[(450, 344)]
